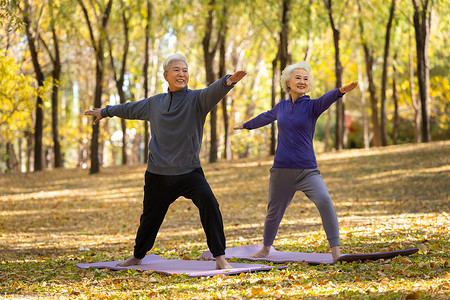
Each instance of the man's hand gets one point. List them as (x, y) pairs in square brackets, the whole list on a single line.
[(236, 77), (96, 112)]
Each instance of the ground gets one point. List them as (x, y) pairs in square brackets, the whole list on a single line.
[(386, 198)]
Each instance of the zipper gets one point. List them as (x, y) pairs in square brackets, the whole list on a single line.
[(170, 103)]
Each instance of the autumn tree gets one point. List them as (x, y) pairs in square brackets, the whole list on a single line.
[(210, 47), (33, 38), (97, 44), (422, 25), (280, 61), (412, 92), (283, 57), (55, 58), (383, 118), (16, 91), (148, 19), (369, 57), (119, 75), (340, 104)]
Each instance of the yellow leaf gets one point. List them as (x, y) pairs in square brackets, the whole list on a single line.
[(257, 291), (422, 248)]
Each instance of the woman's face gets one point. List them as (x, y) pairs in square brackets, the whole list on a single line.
[(299, 83), (177, 76)]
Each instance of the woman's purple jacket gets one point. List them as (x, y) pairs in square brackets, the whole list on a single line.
[(296, 125)]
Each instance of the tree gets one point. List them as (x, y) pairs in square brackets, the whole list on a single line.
[(422, 25), (32, 38), (55, 59), (340, 105), (119, 79), (16, 106), (98, 46), (369, 58), (282, 57), (385, 75), (362, 88), (222, 72), (412, 91), (396, 118), (209, 52), (145, 74)]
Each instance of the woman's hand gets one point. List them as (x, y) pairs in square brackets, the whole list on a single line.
[(236, 77), (348, 87), (96, 112), (238, 127)]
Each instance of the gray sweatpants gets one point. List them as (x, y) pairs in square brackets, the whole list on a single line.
[(282, 187)]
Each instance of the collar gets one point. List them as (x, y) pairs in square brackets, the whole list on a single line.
[(182, 91), (174, 99), (300, 99)]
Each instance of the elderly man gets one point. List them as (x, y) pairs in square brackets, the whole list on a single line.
[(177, 119)]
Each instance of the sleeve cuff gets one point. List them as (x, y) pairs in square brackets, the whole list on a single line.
[(104, 112), (226, 79)]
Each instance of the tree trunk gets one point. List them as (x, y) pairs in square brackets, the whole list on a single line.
[(55, 91), (422, 24), (56, 75), (21, 154), (383, 117), (208, 55), (222, 71), (309, 47), (368, 56), (376, 139), (326, 136), (29, 150), (98, 46), (120, 82), (38, 126), (414, 101), (395, 99), (12, 164), (275, 80), (340, 105), (362, 88), (145, 73), (284, 56)]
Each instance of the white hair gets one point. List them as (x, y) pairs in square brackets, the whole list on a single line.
[(287, 73), (172, 58)]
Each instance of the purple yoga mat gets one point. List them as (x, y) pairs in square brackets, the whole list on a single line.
[(243, 252), (192, 268)]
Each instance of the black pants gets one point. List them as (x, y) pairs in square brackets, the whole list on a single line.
[(162, 190)]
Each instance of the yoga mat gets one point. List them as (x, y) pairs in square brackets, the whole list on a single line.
[(243, 252), (192, 268)]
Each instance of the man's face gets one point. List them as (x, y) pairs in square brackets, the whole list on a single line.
[(177, 76)]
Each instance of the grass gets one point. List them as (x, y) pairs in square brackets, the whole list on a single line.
[(386, 198)]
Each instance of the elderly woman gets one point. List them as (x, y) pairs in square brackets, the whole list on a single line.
[(177, 119), (295, 167)]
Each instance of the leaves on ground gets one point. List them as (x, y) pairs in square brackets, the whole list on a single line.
[(386, 199)]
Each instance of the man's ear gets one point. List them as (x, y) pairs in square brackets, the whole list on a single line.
[(165, 75)]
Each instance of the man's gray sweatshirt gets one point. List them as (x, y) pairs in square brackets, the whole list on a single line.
[(176, 124)]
